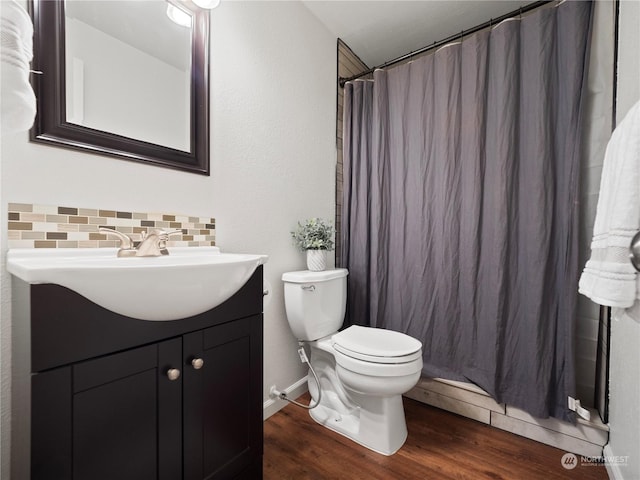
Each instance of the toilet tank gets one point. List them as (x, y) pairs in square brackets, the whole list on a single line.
[(315, 302)]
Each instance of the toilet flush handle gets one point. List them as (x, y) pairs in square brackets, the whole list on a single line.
[(308, 288)]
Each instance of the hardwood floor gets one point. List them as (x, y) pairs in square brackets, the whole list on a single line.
[(441, 445)]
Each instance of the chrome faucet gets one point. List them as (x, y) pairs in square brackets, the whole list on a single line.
[(153, 244)]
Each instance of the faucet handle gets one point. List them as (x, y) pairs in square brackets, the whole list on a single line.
[(168, 233), (164, 233), (125, 241)]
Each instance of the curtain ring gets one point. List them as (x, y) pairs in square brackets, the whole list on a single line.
[(520, 13), (462, 36)]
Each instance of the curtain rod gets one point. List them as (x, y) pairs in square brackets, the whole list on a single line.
[(519, 11)]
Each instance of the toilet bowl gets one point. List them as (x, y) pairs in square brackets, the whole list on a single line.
[(362, 371)]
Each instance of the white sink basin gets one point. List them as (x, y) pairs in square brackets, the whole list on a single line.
[(189, 281)]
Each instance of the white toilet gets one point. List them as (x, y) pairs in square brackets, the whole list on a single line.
[(363, 371)]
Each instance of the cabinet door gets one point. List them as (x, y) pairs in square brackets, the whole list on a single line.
[(126, 415), (223, 401), (51, 425), (121, 417)]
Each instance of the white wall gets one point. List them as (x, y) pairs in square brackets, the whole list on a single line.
[(275, 156), (624, 380), (628, 57), (272, 163)]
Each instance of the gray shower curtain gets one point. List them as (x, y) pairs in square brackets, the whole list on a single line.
[(460, 220)]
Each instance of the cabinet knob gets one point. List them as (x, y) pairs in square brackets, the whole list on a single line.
[(197, 363), (173, 374)]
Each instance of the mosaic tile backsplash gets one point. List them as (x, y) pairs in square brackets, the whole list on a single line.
[(45, 226)]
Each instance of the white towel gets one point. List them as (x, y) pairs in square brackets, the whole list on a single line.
[(18, 102), (608, 277)]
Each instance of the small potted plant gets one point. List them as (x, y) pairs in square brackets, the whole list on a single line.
[(315, 236)]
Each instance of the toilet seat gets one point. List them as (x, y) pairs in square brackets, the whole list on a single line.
[(377, 369), (376, 345)]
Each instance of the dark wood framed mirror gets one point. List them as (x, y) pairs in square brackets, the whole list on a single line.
[(88, 100)]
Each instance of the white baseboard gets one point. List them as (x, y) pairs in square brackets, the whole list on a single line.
[(584, 438), (613, 470), (293, 391)]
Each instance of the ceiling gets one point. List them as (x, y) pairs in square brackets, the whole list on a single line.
[(381, 30)]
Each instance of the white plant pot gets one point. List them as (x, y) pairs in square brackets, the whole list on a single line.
[(317, 260)]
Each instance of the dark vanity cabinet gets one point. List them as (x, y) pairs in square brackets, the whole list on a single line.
[(114, 398)]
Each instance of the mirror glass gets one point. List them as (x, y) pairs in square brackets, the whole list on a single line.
[(121, 78), (128, 70)]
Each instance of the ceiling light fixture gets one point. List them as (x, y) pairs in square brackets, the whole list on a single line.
[(208, 4), (178, 16)]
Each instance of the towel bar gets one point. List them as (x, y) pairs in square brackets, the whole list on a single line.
[(634, 251)]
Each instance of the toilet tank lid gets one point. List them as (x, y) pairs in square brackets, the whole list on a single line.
[(376, 342), (308, 276)]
